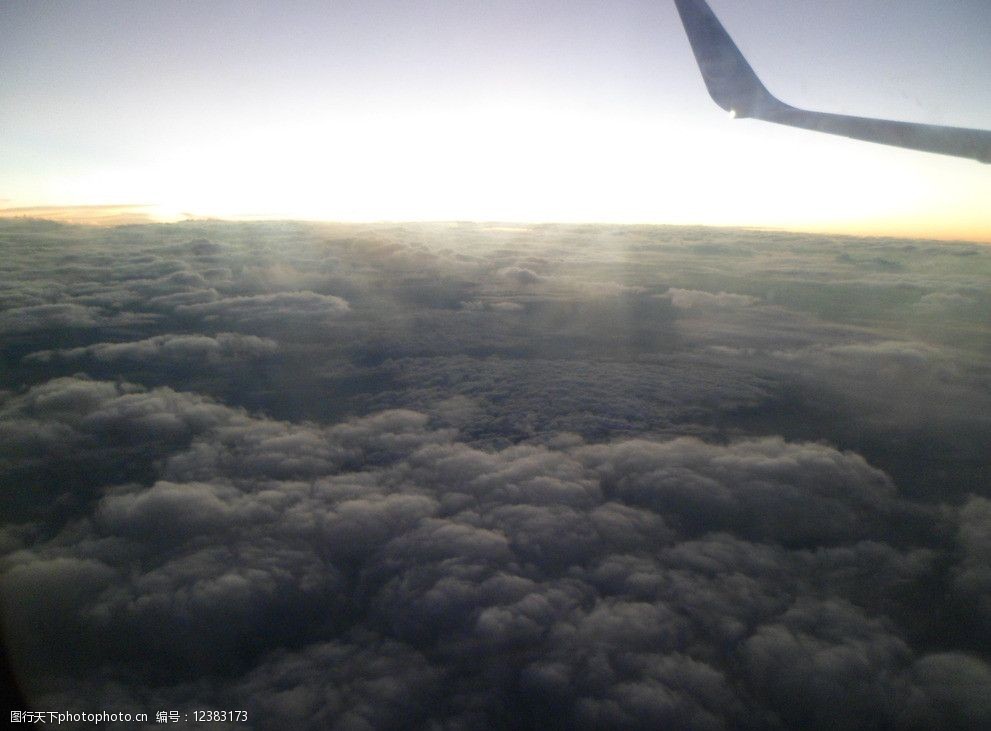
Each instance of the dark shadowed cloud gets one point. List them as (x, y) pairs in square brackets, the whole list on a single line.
[(463, 477)]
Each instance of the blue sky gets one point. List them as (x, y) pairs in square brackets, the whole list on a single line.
[(499, 110)]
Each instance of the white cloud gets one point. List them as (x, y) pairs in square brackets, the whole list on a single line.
[(693, 298)]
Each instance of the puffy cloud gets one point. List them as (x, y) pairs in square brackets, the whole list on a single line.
[(887, 355), (367, 683), (972, 576), (115, 410), (65, 439), (181, 299), (824, 665), (507, 306), (269, 308), (167, 348), (958, 688), (765, 489), (691, 298), (941, 303), (499, 306), (47, 316), (521, 275), (453, 584), (524, 398)]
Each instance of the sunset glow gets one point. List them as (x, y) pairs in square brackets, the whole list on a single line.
[(316, 130)]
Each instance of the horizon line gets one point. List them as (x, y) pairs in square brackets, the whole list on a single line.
[(121, 215)]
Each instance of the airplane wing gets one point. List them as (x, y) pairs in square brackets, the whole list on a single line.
[(735, 87)]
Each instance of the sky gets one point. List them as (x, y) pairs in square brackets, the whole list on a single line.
[(514, 111)]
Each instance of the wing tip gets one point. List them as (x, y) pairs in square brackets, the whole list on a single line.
[(734, 86), (728, 76)]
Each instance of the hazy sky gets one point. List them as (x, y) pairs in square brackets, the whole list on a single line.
[(537, 110)]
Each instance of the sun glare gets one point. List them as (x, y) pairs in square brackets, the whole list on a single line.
[(529, 163)]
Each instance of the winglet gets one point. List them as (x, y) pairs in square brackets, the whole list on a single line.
[(735, 87), (731, 81)]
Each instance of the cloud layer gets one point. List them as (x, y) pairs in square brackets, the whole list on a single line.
[(452, 477)]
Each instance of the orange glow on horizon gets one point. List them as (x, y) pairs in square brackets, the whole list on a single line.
[(135, 214)]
